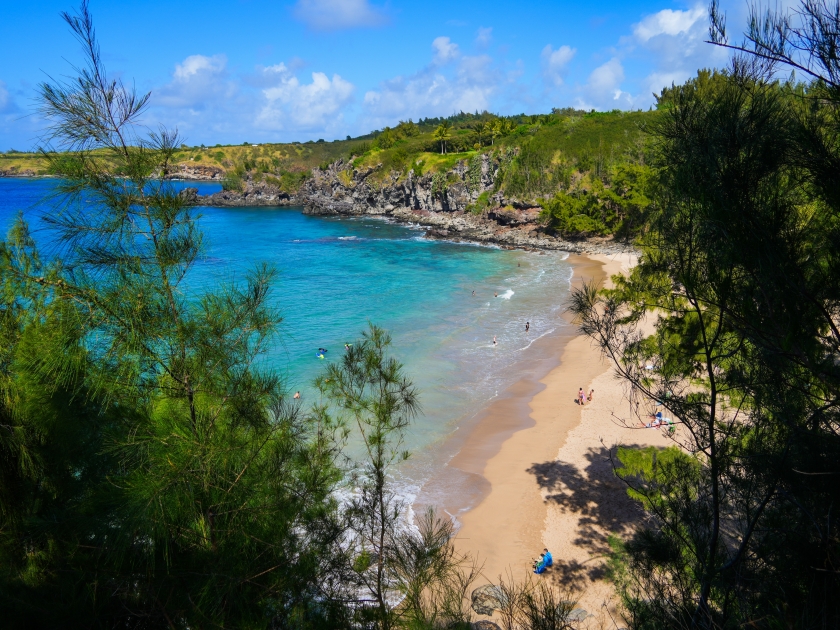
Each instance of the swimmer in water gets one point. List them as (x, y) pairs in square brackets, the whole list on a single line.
[(495, 294), (297, 396), (473, 292), (527, 326), (494, 340)]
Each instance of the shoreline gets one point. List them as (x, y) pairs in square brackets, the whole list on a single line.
[(534, 470)]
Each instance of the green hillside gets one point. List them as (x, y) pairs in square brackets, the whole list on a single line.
[(586, 169)]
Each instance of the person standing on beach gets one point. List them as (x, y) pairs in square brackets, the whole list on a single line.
[(527, 326), (591, 395), (581, 397)]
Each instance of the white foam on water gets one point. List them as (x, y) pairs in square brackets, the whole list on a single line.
[(507, 294)]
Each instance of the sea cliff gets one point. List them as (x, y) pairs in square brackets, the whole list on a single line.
[(446, 203)]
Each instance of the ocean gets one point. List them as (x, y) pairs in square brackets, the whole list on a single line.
[(338, 274)]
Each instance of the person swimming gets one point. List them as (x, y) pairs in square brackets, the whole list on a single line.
[(322, 350), (494, 340), (495, 294), (297, 396)]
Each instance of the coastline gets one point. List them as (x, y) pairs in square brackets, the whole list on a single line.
[(534, 470)]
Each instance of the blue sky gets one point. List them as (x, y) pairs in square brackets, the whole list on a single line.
[(260, 70)]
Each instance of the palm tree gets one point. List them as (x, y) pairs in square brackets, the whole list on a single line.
[(488, 129), (443, 134), (498, 127)]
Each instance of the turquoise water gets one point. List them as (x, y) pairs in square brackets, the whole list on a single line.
[(336, 275)]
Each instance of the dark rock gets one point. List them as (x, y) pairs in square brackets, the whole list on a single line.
[(189, 195), (486, 599), (484, 625), (342, 190), (196, 172)]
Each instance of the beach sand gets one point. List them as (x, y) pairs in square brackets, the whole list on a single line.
[(548, 482)]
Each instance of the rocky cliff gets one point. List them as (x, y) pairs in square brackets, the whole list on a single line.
[(443, 202)]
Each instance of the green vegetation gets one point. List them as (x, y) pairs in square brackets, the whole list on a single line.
[(740, 270), (589, 171)]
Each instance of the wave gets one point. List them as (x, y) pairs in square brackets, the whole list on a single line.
[(507, 294)]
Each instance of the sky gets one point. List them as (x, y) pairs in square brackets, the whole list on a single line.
[(233, 71)]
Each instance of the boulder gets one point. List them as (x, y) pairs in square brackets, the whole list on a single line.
[(578, 614), (484, 625), (486, 599), (189, 195)]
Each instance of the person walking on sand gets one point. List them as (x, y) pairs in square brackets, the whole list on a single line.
[(591, 395), (581, 397)]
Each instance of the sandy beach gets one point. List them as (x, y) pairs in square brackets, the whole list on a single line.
[(546, 480)]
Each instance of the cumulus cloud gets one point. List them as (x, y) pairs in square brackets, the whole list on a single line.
[(676, 42), (197, 82), (451, 82), (445, 50), (290, 104), (484, 36), (555, 61), (606, 79), (669, 22), (331, 15)]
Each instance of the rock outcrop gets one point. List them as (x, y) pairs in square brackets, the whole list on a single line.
[(442, 202), (14, 171), (486, 599), (197, 172)]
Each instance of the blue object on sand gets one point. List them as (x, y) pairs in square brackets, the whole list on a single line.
[(547, 559)]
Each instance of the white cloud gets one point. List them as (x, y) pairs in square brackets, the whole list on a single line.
[(606, 78), (440, 89), (675, 41), (445, 50), (331, 15), (484, 36), (197, 82), (555, 62), (290, 104), (199, 64), (669, 22)]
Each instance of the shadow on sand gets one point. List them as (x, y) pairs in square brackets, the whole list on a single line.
[(600, 501)]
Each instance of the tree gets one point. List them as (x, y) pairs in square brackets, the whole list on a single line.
[(740, 271), (442, 134), (370, 391), (153, 475)]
